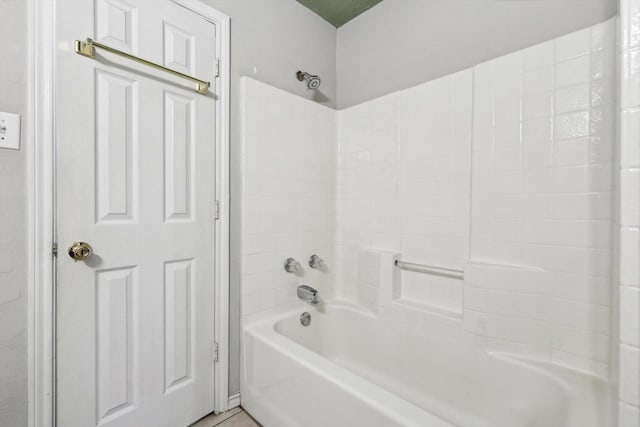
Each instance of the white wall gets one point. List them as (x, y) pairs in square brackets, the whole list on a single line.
[(287, 196), (543, 151), (629, 219), (270, 41), (404, 185), (401, 43), (13, 287), (522, 200)]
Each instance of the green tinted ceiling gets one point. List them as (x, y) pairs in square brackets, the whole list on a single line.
[(339, 12)]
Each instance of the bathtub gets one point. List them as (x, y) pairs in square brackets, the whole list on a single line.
[(350, 368)]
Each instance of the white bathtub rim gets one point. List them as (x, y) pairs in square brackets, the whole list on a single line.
[(263, 329), (389, 404), (540, 365), (556, 372), (559, 373)]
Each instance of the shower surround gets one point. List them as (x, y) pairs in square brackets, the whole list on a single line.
[(505, 170), (628, 221), (287, 190)]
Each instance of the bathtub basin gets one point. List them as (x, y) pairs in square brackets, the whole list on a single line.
[(350, 368)]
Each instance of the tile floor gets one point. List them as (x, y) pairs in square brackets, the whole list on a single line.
[(235, 417)]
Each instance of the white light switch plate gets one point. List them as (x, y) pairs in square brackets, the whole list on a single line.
[(9, 131)]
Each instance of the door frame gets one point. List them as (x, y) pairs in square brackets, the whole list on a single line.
[(41, 210)]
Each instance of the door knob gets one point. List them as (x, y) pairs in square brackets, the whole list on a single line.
[(80, 251)]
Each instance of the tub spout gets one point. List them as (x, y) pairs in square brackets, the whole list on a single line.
[(308, 294)]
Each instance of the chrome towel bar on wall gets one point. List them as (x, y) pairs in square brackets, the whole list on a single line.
[(429, 269), (88, 49)]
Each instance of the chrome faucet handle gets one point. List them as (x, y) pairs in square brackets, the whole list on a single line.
[(308, 294), (292, 266), (316, 262)]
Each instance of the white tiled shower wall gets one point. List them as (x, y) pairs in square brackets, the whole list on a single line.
[(288, 162), (542, 186), (403, 184), (629, 220), (504, 170)]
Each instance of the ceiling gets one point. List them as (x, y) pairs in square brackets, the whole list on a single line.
[(339, 12)]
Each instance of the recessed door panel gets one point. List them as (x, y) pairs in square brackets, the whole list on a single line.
[(116, 147), (116, 23), (116, 336), (178, 293), (178, 118), (179, 48)]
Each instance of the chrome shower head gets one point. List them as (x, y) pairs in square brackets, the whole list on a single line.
[(313, 82)]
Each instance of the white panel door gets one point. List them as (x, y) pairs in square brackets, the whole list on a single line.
[(135, 180)]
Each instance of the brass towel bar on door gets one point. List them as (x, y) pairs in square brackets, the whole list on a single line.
[(88, 49)]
